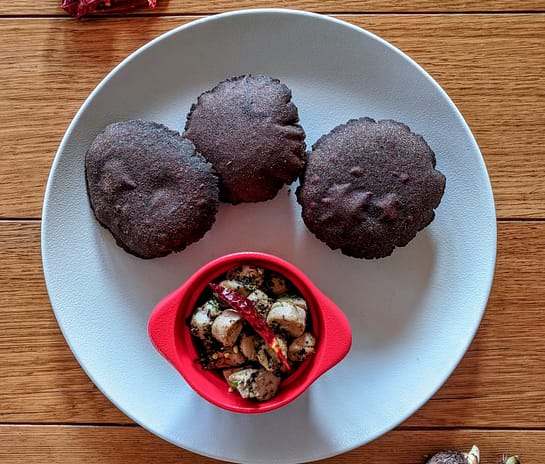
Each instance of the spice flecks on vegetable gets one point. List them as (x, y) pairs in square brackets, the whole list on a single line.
[(202, 319), (301, 347), (258, 384), (251, 277), (253, 327), (288, 317), (248, 311), (261, 301)]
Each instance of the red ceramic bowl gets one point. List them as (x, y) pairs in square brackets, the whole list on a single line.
[(170, 334)]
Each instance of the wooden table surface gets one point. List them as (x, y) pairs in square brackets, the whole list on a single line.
[(488, 55)]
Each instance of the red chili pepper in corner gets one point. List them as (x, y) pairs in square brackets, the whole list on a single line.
[(80, 8), (247, 310)]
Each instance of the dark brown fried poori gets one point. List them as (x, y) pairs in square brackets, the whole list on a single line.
[(369, 186), (150, 188), (247, 127)]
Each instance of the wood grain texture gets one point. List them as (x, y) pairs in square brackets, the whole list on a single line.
[(509, 349), (492, 66), (121, 445), (40, 379), (489, 58), (42, 383), (52, 7)]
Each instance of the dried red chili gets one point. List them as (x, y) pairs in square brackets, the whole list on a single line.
[(79, 8), (247, 310)]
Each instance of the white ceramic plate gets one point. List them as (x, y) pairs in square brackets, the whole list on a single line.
[(413, 314)]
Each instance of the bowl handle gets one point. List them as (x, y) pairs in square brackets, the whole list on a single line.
[(337, 335), (162, 326)]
